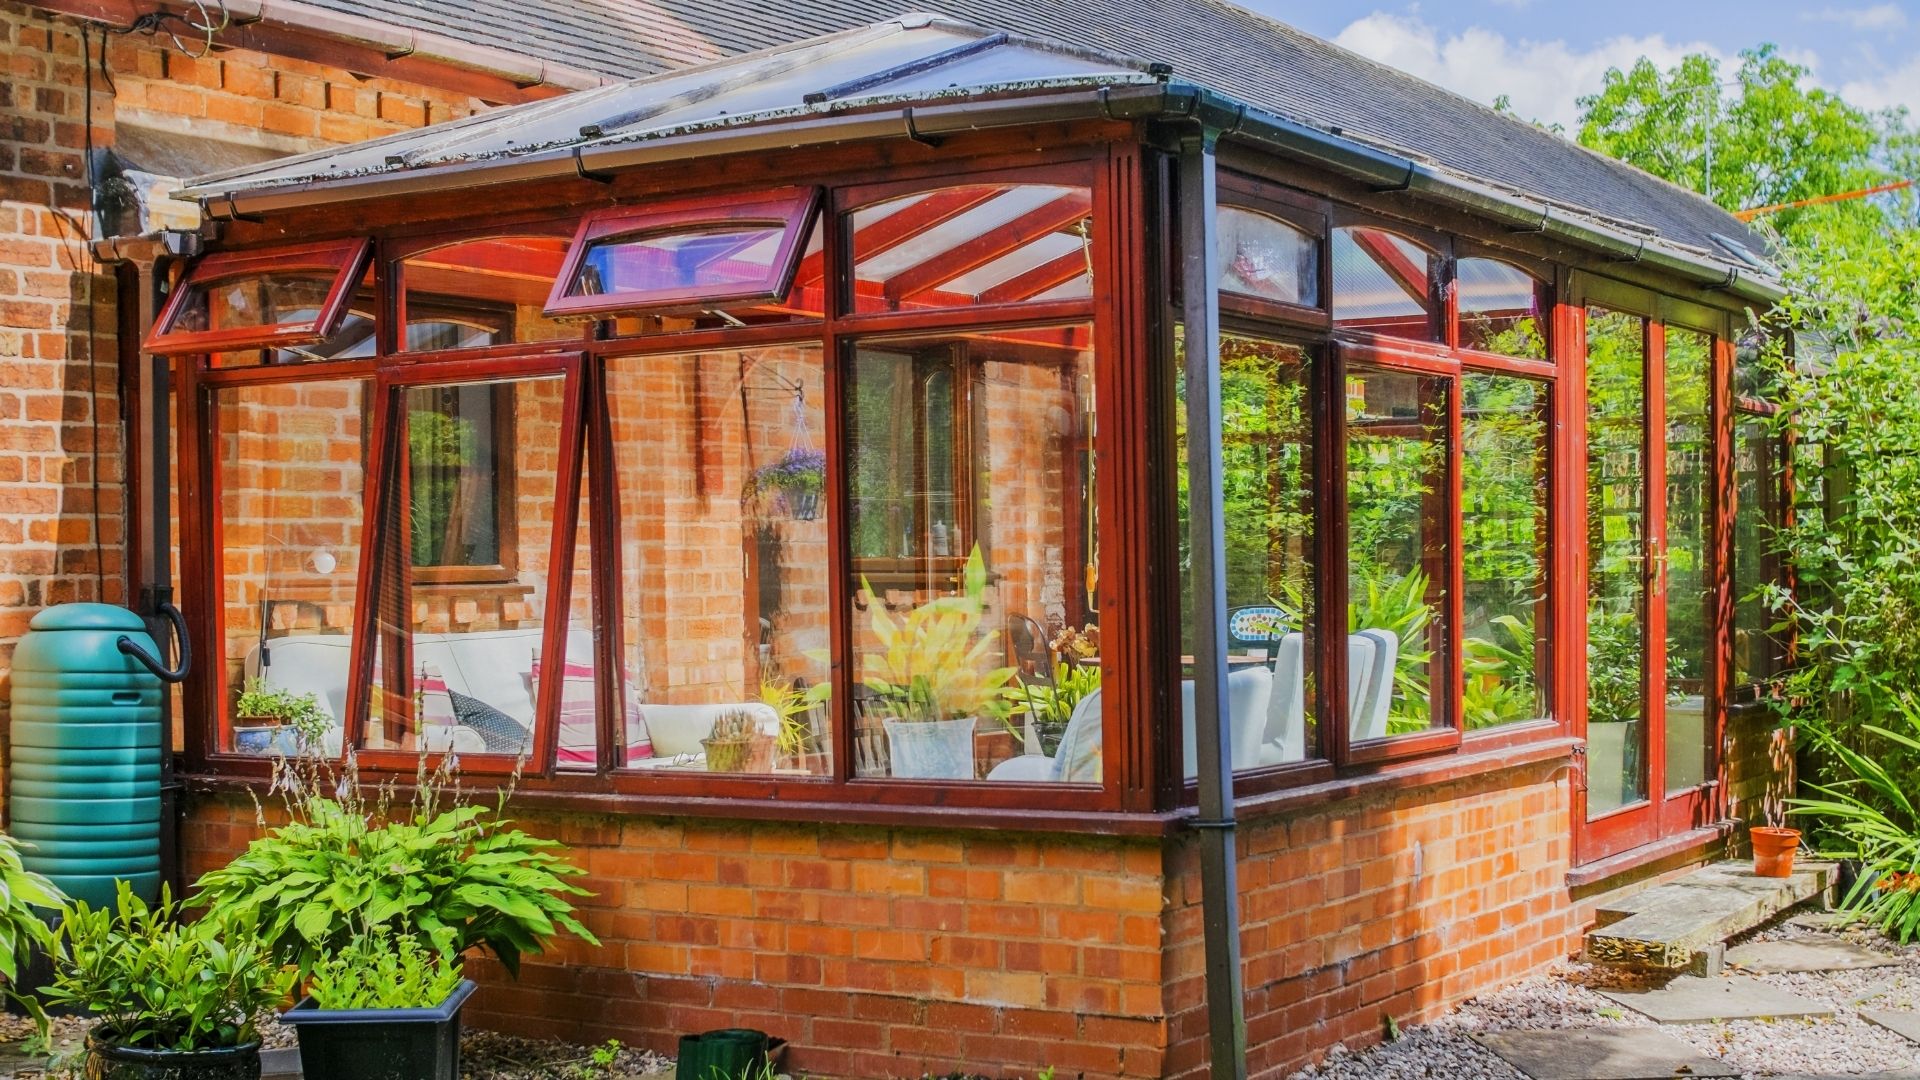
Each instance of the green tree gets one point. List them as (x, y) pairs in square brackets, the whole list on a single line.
[(1764, 137)]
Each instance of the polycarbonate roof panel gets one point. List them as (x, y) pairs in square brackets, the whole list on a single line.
[(908, 58)]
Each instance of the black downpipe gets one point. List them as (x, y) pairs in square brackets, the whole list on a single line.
[(1219, 887)]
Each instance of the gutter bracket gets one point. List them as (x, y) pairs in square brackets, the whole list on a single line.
[(1639, 252), (914, 134), (1733, 278), (234, 212), (413, 46), (580, 168), (1405, 184), (1546, 215)]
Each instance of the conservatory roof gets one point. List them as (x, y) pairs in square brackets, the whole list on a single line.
[(925, 75)]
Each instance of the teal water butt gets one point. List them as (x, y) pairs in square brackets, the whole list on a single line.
[(84, 786)]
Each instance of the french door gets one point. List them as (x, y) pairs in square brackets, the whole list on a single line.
[(1654, 627)]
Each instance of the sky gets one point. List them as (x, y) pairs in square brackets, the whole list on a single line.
[(1543, 54)]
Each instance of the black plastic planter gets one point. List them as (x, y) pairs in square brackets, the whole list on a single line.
[(108, 1062), (727, 1054), (380, 1044)]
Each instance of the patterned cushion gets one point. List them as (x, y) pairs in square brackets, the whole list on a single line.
[(503, 734), (1078, 761)]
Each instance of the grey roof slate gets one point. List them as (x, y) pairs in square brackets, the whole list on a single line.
[(1226, 48)]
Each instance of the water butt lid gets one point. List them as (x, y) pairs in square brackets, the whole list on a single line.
[(87, 617)]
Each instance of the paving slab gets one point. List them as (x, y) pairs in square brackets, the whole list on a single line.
[(1690, 1000), (1601, 1054), (1825, 920), (1780, 956), (1900, 1023), (1671, 926), (1898, 1074), (283, 1064)]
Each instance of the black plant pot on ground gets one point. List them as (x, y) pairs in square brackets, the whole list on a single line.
[(380, 1044), (108, 1062)]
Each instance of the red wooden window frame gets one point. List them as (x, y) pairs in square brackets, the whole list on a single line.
[(1662, 813), (791, 209), (385, 465), (396, 254), (346, 258)]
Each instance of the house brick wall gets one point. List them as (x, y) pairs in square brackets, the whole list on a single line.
[(893, 952), (1760, 768), (60, 426)]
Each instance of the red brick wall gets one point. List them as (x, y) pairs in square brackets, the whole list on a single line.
[(51, 393), (893, 952), (1400, 907)]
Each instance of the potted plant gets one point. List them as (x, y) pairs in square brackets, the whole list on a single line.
[(1773, 848), (269, 720), (929, 672), (736, 744), (348, 863), (796, 742), (383, 1008), (795, 482), (175, 1000)]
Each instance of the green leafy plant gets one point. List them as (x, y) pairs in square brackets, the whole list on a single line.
[(1875, 810), (1399, 604), (21, 927), (348, 864), (1500, 685), (933, 662), (793, 704), (302, 712), (158, 983), (382, 971)]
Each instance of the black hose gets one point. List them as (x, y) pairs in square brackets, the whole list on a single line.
[(152, 663)]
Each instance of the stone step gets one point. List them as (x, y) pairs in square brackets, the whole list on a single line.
[(1684, 924)]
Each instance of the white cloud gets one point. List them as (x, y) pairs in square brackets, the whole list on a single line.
[(1542, 78), (1877, 17), (1898, 86)]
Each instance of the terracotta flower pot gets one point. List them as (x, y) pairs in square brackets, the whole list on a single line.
[(1773, 851)]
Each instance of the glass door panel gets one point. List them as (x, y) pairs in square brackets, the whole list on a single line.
[(1616, 564), (1684, 592)]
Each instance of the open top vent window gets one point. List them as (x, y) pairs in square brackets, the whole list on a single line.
[(261, 299), (689, 255)]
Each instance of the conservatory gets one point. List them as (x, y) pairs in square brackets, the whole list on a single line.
[(858, 491)]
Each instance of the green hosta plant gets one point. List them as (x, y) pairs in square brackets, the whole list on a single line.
[(933, 663), (347, 865), (157, 983), (381, 971), (1875, 808)]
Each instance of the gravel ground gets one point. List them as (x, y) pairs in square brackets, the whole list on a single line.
[(1840, 1045)]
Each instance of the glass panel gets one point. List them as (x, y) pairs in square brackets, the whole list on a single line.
[(1503, 531), (1267, 258), (292, 468), (1267, 490), (255, 300), (1382, 284), (978, 244), (1616, 561), (482, 468), (806, 299), (579, 712), (1757, 652), (354, 337), (1397, 557), (1503, 309), (976, 651), (482, 292), (715, 258), (1753, 372), (1689, 442), (725, 627)]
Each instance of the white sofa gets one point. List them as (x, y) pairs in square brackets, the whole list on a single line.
[(496, 667)]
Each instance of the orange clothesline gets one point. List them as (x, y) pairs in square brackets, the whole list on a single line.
[(1891, 185)]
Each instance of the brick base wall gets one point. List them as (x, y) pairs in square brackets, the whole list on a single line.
[(882, 952)]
